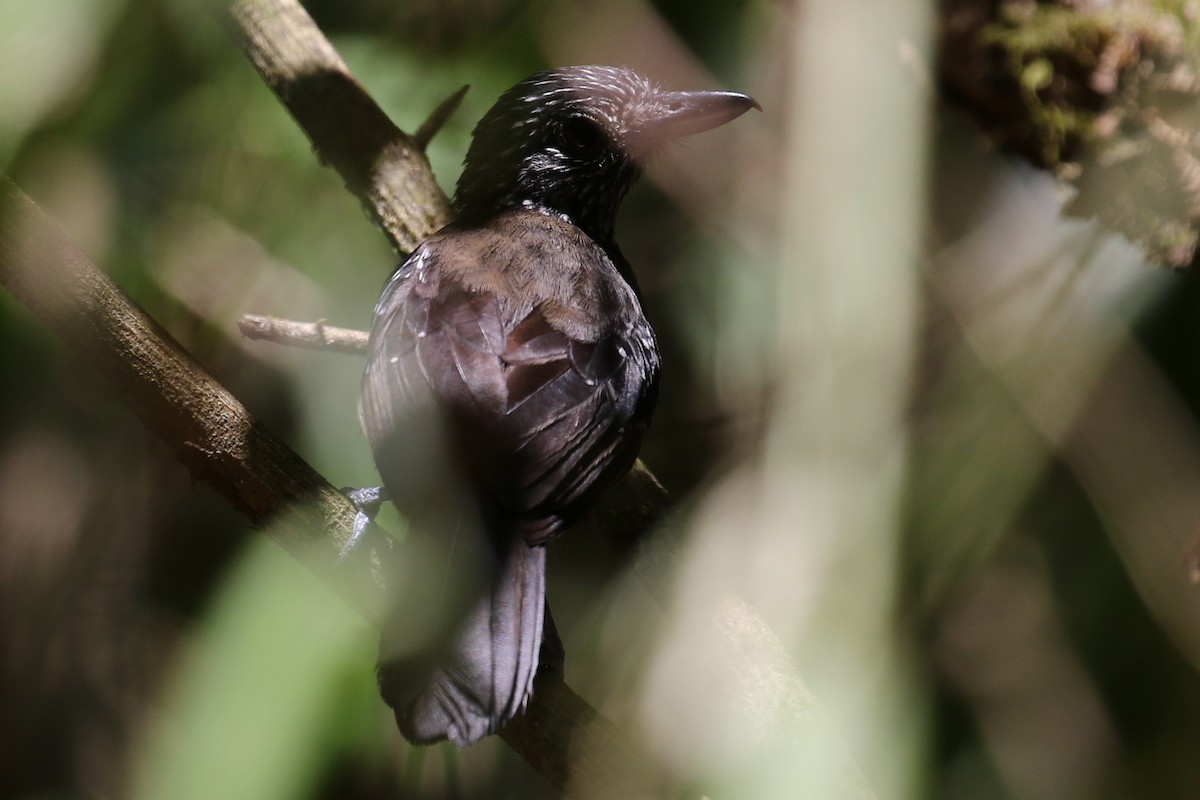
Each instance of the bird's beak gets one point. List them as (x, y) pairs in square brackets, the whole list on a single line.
[(679, 114)]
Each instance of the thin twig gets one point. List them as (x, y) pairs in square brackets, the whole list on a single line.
[(434, 122), (309, 335)]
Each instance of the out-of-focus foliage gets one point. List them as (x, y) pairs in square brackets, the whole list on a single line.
[(1107, 94), (936, 449)]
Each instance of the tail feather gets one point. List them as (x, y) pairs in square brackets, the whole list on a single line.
[(486, 676)]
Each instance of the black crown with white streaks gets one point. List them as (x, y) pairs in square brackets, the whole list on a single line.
[(572, 141)]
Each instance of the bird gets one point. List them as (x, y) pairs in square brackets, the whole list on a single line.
[(516, 333)]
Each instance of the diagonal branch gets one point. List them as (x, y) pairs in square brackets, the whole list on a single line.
[(382, 166), (207, 428)]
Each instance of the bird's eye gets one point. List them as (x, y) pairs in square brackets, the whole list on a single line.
[(583, 134)]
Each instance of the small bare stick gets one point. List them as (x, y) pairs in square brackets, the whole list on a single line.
[(438, 117), (309, 335)]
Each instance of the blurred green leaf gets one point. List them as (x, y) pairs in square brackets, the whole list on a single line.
[(47, 52), (259, 707)]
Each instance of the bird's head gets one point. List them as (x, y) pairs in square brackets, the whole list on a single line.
[(573, 140)]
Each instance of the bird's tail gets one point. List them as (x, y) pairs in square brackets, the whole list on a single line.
[(485, 675)]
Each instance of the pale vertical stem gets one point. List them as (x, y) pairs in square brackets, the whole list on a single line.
[(803, 692), (847, 305)]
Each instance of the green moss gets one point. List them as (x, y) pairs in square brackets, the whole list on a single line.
[(1053, 51)]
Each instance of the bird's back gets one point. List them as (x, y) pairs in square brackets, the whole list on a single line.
[(524, 332)]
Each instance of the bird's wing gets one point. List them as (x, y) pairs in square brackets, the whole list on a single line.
[(544, 421), (575, 411)]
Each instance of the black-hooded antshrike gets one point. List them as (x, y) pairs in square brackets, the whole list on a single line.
[(520, 325)]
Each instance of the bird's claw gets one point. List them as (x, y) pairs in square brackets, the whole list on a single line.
[(367, 501)]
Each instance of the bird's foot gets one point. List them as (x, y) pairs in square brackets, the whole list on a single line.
[(367, 501)]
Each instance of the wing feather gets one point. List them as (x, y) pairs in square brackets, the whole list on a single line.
[(545, 420)]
